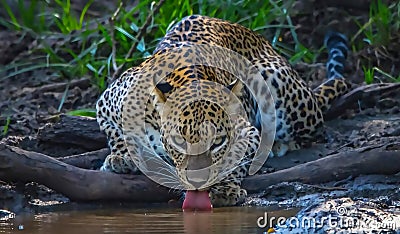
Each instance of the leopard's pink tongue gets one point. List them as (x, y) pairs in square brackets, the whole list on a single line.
[(197, 200)]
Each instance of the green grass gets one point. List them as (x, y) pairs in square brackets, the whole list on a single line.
[(368, 75), (66, 21), (96, 47), (28, 20), (6, 126), (83, 112), (381, 29), (383, 19), (387, 75)]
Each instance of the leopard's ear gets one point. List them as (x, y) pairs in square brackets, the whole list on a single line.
[(159, 92), (236, 87), (234, 103), (161, 89)]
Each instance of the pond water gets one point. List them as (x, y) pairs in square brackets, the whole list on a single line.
[(143, 220)]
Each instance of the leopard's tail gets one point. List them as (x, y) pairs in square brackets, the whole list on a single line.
[(336, 85)]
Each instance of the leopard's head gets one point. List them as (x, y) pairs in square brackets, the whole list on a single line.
[(198, 130)]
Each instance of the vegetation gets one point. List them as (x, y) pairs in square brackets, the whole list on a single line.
[(6, 126), (381, 29), (384, 21), (100, 47)]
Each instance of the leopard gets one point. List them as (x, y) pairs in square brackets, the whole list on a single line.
[(179, 106)]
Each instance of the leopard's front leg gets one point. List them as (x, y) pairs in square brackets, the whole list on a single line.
[(119, 160), (228, 192)]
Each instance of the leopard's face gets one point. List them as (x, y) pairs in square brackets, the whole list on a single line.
[(197, 130), (199, 141)]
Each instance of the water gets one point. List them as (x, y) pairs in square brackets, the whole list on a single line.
[(142, 220)]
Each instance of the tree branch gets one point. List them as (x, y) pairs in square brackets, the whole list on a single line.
[(89, 185), (76, 183)]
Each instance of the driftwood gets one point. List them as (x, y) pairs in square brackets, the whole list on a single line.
[(332, 168), (76, 183), (89, 160), (88, 185), (81, 132)]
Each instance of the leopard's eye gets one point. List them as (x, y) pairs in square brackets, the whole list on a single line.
[(218, 143), (179, 142), (178, 139)]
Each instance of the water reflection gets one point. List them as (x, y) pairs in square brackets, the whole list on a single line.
[(146, 220)]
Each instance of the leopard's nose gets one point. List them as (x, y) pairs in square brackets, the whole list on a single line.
[(198, 169), (199, 161), (198, 178)]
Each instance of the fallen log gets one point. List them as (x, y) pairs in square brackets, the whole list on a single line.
[(89, 160), (331, 168), (367, 93), (82, 132), (89, 185), (76, 183)]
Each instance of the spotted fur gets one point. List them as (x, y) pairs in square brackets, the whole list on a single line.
[(179, 135)]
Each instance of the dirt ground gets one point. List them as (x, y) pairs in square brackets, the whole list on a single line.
[(31, 101)]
